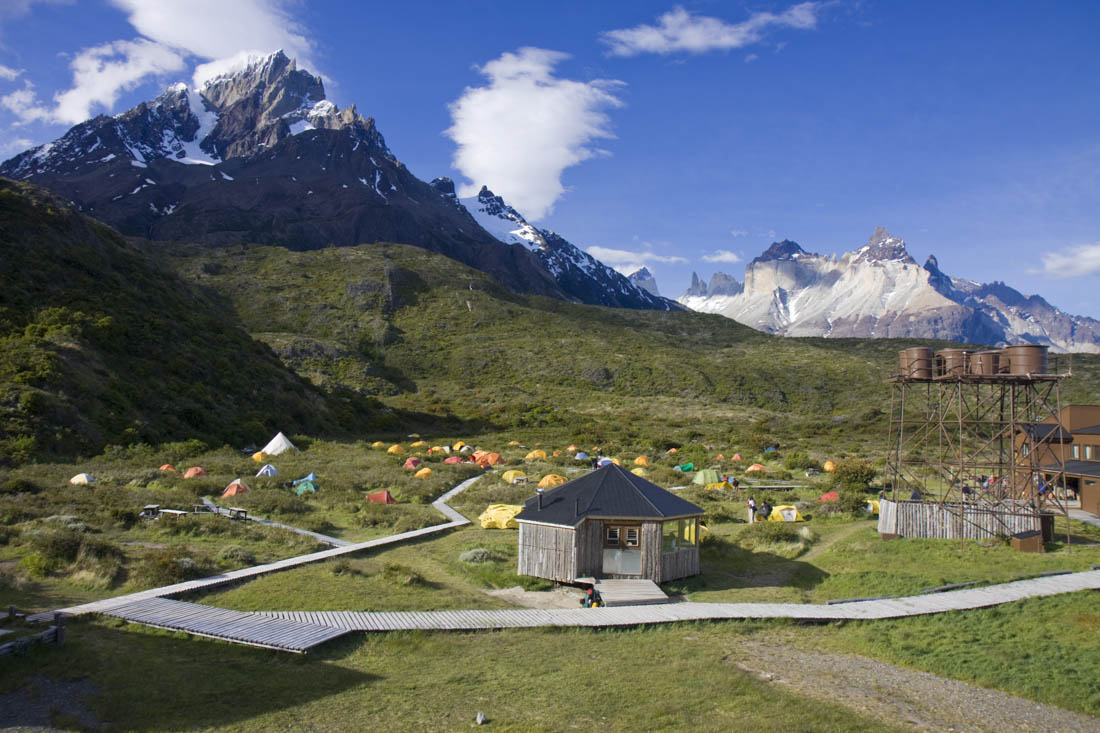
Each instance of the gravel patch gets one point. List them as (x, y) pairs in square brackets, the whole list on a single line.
[(900, 696), (43, 703)]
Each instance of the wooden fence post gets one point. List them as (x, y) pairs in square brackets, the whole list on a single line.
[(59, 628)]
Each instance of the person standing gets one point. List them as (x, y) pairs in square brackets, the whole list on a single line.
[(751, 504)]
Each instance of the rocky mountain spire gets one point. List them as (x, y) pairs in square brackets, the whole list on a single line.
[(884, 248)]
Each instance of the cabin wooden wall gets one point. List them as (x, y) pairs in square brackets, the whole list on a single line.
[(679, 564), (589, 552), (651, 551), (546, 552)]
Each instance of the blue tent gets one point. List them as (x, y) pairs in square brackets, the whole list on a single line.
[(581, 456), (312, 477)]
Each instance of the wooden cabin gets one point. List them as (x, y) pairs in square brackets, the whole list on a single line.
[(609, 523)]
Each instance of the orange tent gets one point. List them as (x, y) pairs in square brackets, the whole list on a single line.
[(412, 463), (641, 461), (193, 472), (670, 451), (572, 448), (736, 457), (829, 466), (167, 467), (489, 459), (756, 467), (479, 453), (381, 497), (236, 488), (550, 480)]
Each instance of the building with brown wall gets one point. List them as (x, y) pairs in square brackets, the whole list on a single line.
[(1071, 444)]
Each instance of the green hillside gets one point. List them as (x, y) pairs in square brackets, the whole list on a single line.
[(425, 332), (98, 346)]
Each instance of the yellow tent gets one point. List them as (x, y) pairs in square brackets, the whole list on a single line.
[(829, 466), (259, 456), (377, 444), (785, 513), (395, 449), (510, 477), (536, 455), (641, 461), (458, 446), (616, 461), (417, 444), (638, 471), (717, 487), (513, 443), (82, 478), (423, 473), (550, 480), (872, 506), (414, 435), (500, 516)]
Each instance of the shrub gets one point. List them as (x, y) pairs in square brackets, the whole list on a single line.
[(853, 473), (239, 555), (56, 547), (167, 566), (852, 501), (769, 532), (401, 575), (799, 461), (19, 486), (7, 534), (476, 556)]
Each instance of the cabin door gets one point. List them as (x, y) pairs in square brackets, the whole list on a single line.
[(622, 549)]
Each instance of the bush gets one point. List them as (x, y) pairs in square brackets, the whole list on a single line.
[(768, 533), (19, 486), (476, 556), (799, 461), (239, 555), (167, 566), (401, 575), (852, 501), (853, 473)]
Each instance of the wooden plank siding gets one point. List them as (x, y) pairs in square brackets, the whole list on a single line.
[(952, 520), (546, 551), (589, 538), (679, 564)]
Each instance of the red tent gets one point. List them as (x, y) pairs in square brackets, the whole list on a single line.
[(412, 463), (452, 459), (381, 497), (830, 496)]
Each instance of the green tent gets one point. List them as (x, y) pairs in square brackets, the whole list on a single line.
[(303, 487), (684, 467), (706, 476)]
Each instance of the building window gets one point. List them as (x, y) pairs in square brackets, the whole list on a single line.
[(1076, 451), (633, 538), (1088, 452), (679, 534), (1027, 449), (611, 537)]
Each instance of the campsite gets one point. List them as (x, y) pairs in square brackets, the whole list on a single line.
[(830, 554)]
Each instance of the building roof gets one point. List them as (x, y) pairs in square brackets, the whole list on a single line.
[(610, 491), (1043, 432), (1090, 430), (1077, 468)]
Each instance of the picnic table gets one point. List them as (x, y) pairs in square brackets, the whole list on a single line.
[(173, 513), (150, 511), (236, 512)]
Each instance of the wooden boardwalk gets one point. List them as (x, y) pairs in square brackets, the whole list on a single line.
[(629, 592), (253, 629), (322, 538), (959, 600), (107, 604)]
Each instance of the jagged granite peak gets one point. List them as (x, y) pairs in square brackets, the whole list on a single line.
[(883, 248), (578, 273), (445, 186), (723, 284), (644, 279), (785, 250), (878, 291)]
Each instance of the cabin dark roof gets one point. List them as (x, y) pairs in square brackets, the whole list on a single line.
[(610, 491), (1077, 468), (1090, 430), (1049, 432)]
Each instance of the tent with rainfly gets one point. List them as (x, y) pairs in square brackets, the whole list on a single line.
[(425, 472), (551, 480), (236, 487), (412, 463), (706, 476), (638, 471), (452, 459), (756, 468), (268, 470), (510, 477), (377, 444), (490, 459), (259, 456), (536, 455), (581, 456), (167, 467), (641, 461), (381, 497), (395, 450), (194, 472), (82, 478), (500, 516), (279, 444), (311, 476), (785, 513), (302, 486)]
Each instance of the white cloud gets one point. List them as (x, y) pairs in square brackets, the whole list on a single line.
[(627, 262), (739, 232), (23, 103), (680, 30), (15, 146), (6, 72), (722, 255), (1084, 259), (102, 73), (519, 133), (750, 58), (256, 27)]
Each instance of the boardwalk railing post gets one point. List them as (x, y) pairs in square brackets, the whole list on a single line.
[(58, 628), (11, 612)]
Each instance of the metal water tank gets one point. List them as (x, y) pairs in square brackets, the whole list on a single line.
[(952, 362), (916, 363), (1025, 359), (985, 363)]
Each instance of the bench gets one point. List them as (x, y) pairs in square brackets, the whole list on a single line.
[(236, 512), (173, 513)]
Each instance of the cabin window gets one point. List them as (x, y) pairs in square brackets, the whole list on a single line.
[(633, 537), (611, 537), (679, 534)]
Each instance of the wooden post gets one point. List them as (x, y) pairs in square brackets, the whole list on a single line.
[(11, 612), (58, 628)]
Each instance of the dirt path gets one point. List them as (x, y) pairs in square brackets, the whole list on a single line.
[(899, 696), (845, 534)]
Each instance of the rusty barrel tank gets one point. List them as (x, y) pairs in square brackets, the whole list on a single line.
[(1024, 359), (952, 362), (916, 363), (985, 363)]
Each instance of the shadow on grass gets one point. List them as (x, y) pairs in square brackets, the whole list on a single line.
[(727, 566), (149, 680)]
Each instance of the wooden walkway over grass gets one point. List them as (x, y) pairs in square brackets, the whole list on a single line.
[(190, 586), (959, 600)]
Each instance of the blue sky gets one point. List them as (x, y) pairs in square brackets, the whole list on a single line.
[(681, 136)]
